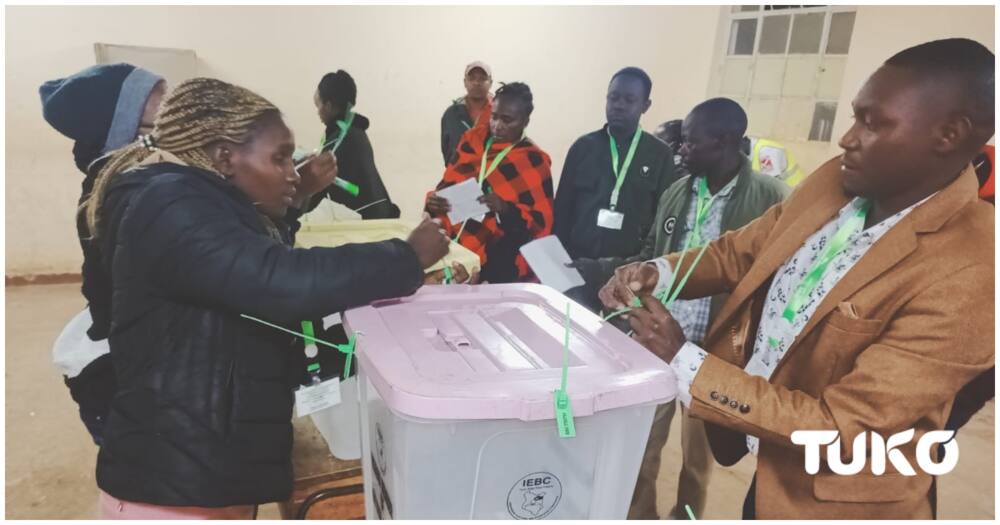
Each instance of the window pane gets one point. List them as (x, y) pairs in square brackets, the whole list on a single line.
[(822, 124), (774, 35), (741, 37), (841, 28), (745, 8), (806, 33)]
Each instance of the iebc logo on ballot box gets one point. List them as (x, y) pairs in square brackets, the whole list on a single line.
[(881, 451)]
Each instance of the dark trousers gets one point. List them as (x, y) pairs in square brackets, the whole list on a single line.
[(750, 503)]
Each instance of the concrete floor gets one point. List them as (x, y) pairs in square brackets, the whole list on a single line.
[(50, 458)]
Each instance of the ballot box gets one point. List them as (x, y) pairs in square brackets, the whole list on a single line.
[(339, 424), (457, 389)]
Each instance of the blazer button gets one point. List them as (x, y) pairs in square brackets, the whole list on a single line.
[(744, 408), (734, 404), (714, 395), (724, 400)]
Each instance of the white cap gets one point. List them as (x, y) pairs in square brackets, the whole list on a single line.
[(480, 65)]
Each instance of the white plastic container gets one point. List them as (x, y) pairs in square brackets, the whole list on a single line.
[(339, 423), (458, 419)]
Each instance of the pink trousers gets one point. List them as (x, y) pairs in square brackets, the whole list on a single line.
[(113, 508)]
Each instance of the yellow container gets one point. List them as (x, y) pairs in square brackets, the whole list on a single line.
[(346, 232)]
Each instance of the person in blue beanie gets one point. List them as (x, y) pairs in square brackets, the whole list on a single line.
[(101, 108)]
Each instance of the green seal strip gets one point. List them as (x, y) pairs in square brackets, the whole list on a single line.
[(564, 410), (345, 349), (349, 350)]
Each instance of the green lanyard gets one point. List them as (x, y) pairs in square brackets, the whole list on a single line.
[(701, 212), (669, 294), (622, 170), (310, 337), (834, 247), (344, 125), (483, 172)]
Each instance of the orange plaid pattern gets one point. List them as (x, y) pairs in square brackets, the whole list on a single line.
[(523, 179)]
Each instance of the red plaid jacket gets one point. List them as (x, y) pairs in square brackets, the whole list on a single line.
[(523, 179)]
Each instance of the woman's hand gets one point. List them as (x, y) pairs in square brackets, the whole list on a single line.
[(429, 242), (437, 206), (495, 203), (459, 275), (318, 172)]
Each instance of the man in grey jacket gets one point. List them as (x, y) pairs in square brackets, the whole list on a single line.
[(721, 194)]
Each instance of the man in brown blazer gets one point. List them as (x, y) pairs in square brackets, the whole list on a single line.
[(863, 303)]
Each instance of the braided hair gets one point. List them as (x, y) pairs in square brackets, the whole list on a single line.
[(519, 91), (197, 113)]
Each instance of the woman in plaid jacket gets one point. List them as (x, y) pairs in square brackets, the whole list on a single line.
[(515, 175)]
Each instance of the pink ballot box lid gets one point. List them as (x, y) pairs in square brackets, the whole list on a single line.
[(495, 351)]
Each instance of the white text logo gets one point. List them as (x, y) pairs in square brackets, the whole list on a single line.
[(881, 449)]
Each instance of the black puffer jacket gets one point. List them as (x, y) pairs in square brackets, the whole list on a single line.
[(202, 416), (356, 164)]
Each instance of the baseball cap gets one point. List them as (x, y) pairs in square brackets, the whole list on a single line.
[(480, 65)]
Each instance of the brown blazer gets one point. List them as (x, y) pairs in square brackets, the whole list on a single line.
[(887, 350)]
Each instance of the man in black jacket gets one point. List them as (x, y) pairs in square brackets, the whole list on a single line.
[(611, 181)]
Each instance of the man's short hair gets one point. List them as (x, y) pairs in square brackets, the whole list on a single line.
[(967, 61), (638, 74), (722, 116)]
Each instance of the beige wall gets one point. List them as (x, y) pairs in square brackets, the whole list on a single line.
[(882, 31), (879, 33), (407, 61)]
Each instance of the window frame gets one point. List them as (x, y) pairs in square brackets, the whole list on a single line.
[(828, 11), (759, 14)]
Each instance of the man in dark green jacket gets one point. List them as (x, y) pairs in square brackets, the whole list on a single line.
[(721, 194), (464, 112)]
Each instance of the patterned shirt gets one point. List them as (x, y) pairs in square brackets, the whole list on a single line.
[(692, 314), (766, 357)]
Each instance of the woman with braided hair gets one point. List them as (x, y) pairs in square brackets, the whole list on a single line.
[(190, 221)]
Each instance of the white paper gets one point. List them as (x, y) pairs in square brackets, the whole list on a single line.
[(309, 399), (548, 260), (331, 320), (463, 198)]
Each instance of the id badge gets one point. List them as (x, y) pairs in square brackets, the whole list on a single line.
[(313, 398), (610, 219)]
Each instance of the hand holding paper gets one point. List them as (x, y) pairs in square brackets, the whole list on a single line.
[(464, 200), (548, 259)]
